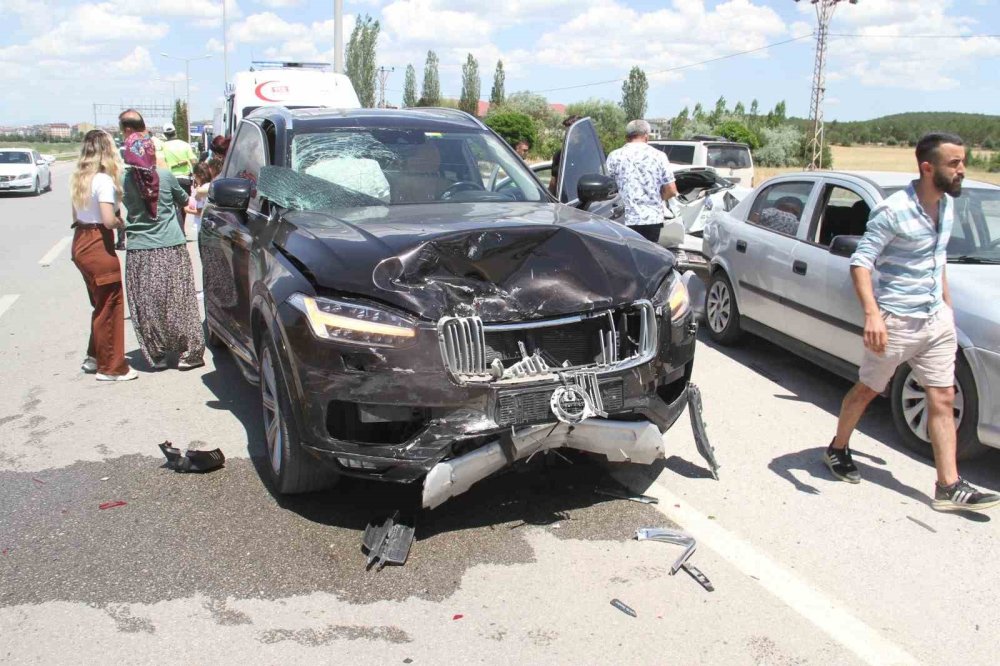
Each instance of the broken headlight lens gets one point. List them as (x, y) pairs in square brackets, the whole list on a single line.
[(353, 323), (673, 293)]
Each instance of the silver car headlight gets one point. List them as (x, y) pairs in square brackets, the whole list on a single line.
[(23, 176), (674, 294), (353, 323)]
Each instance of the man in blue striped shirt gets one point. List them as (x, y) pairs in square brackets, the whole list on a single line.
[(908, 315)]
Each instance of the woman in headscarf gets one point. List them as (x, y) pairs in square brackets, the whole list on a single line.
[(95, 188), (159, 280)]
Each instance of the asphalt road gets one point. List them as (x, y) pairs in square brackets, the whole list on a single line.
[(217, 569)]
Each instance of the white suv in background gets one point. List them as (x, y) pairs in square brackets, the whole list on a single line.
[(732, 160)]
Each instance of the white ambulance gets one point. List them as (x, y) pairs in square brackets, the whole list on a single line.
[(294, 85)]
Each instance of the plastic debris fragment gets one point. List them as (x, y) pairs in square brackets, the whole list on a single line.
[(698, 428), (669, 536), (696, 573), (112, 505), (388, 542), (192, 460), (625, 495), (623, 608)]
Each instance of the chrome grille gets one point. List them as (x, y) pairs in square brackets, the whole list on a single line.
[(463, 345), (532, 407)]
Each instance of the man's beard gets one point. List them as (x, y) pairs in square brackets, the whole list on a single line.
[(951, 186)]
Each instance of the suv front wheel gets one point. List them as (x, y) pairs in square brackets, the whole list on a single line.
[(292, 470), (909, 412)]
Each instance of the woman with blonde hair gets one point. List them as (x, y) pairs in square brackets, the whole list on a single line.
[(95, 188)]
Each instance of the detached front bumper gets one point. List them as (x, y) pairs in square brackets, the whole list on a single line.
[(395, 415)]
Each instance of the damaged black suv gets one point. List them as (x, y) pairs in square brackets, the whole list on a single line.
[(416, 307)]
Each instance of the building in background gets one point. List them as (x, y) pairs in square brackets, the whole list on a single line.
[(58, 130)]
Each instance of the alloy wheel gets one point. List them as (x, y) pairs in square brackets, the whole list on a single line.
[(273, 431), (914, 404), (719, 306)]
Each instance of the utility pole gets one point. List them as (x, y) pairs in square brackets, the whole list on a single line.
[(225, 46), (383, 76), (338, 36), (824, 12), (187, 78)]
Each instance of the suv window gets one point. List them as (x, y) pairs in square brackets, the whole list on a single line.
[(728, 156), (779, 207), (246, 158), (843, 213), (677, 154)]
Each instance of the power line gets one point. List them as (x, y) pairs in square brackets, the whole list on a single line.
[(845, 34), (680, 67)]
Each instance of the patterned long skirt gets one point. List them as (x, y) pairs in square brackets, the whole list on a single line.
[(159, 284)]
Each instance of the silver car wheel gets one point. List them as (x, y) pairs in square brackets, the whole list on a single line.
[(272, 411), (719, 306), (914, 406)]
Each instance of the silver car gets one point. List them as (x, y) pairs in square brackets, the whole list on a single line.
[(779, 268)]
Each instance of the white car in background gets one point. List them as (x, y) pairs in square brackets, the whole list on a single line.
[(780, 269), (24, 170), (732, 160)]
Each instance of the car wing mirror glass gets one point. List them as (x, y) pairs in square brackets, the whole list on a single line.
[(844, 246), (230, 193), (595, 187)]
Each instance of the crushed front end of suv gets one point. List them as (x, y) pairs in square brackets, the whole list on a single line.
[(416, 307)]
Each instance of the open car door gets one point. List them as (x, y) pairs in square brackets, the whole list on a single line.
[(582, 154)]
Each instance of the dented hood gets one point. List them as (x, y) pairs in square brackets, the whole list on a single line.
[(500, 261)]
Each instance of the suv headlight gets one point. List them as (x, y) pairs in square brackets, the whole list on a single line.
[(674, 294), (353, 323)]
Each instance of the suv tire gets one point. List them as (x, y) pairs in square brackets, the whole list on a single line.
[(909, 411), (291, 469), (721, 312)]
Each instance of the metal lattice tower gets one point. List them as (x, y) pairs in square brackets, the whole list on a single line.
[(383, 77), (824, 12)]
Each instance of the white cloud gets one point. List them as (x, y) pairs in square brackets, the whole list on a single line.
[(279, 4), (888, 51)]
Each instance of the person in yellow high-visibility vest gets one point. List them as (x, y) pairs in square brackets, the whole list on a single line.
[(180, 159)]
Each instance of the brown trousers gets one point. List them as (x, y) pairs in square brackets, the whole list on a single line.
[(94, 254)]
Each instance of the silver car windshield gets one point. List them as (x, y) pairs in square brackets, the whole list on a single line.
[(387, 167), (975, 235)]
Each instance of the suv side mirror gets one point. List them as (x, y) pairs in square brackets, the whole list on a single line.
[(844, 246), (595, 187), (230, 193)]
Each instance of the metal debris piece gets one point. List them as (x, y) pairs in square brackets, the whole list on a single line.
[(696, 573), (623, 608), (388, 542), (112, 505), (669, 536), (192, 460), (922, 524), (698, 428), (622, 494)]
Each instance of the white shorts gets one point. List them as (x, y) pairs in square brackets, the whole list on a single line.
[(928, 345)]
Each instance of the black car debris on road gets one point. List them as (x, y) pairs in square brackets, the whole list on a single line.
[(416, 307)]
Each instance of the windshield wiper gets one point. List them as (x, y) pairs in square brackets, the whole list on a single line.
[(973, 259)]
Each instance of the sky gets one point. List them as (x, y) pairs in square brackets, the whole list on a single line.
[(60, 57)]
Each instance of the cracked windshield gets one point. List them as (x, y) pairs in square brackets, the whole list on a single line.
[(386, 167)]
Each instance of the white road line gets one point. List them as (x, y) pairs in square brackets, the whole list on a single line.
[(51, 255), (828, 615), (6, 302)]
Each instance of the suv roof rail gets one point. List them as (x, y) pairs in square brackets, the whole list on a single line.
[(454, 112), (707, 137)]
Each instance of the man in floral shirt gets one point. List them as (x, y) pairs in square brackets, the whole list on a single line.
[(645, 180)]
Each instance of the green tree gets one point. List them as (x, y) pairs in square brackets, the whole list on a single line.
[(698, 114), (469, 101), (430, 91), (609, 120), (754, 108), (359, 58), (739, 110), (634, 94), (734, 130), (410, 87), (513, 127), (180, 119), (497, 93), (679, 124), (719, 111)]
